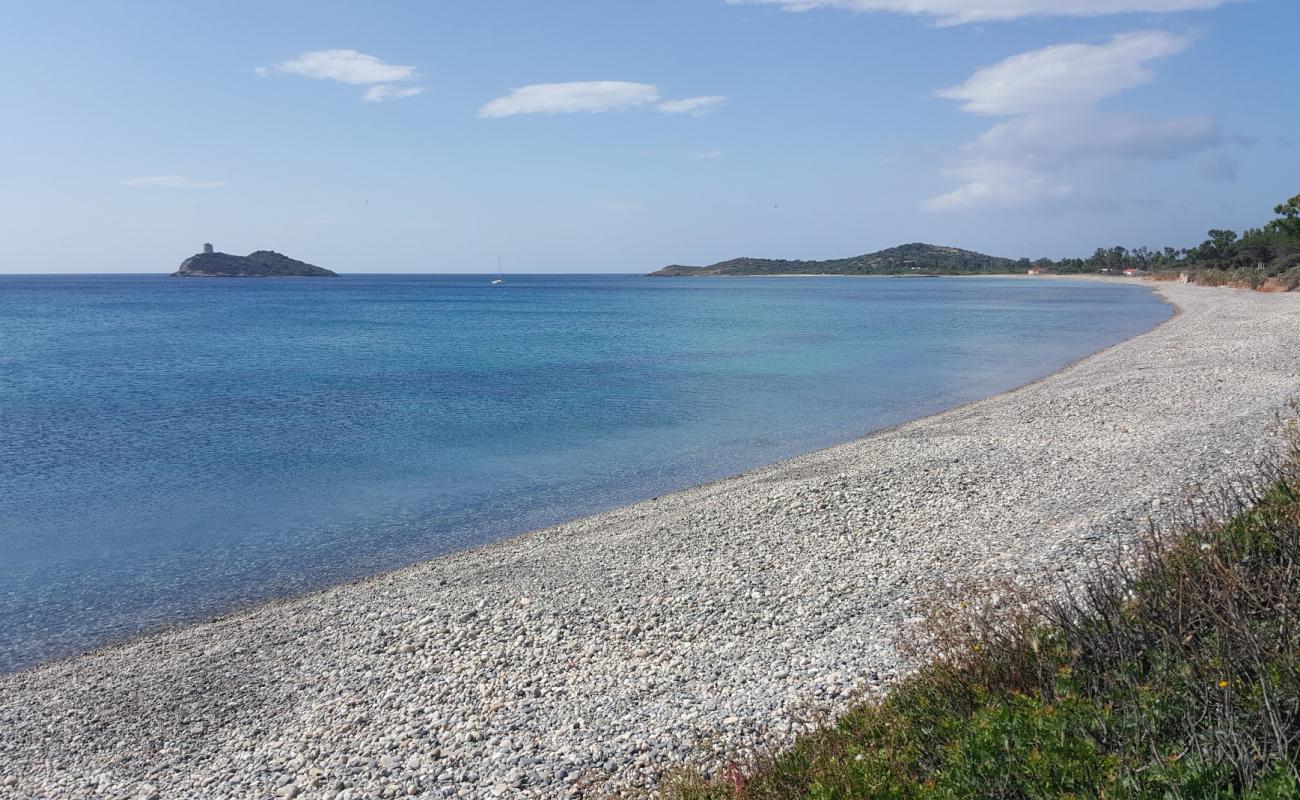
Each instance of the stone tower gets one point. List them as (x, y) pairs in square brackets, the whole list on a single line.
[(207, 248)]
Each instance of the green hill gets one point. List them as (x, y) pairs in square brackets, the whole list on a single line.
[(907, 259), (259, 264)]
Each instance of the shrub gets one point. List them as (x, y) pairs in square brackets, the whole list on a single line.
[(1175, 674)]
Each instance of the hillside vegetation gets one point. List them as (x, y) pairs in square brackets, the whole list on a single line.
[(1267, 257), (1173, 676), (904, 259), (258, 264)]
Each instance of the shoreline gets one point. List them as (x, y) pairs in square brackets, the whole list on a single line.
[(505, 541), (1064, 276), (565, 656)]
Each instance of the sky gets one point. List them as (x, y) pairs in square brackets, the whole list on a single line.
[(623, 135)]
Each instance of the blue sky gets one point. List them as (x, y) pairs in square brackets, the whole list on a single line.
[(620, 136)]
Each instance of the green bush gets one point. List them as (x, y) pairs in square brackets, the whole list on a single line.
[(1174, 675)]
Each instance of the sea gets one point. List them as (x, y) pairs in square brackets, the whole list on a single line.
[(172, 449)]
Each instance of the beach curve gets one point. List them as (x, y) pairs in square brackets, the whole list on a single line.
[(601, 652)]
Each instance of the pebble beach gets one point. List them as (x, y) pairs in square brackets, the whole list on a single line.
[(596, 657)]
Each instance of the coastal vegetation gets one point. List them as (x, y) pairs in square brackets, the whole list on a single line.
[(907, 258), (1175, 674), (1264, 257)]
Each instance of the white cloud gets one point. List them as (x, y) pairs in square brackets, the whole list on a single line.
[(1003, 185), (705, 155), (1047, 142), (346, 66), (572, 98), (354, 68), (1065, 76), (387, 91), (957, 12), (695, 106), (1051, 96), (170, 182), (261, 72)]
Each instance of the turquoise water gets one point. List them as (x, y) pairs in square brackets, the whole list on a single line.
[(172, 448)]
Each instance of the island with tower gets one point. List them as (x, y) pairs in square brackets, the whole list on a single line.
[(258, 264)]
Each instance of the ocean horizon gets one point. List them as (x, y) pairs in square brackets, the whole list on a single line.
[(174, 449)]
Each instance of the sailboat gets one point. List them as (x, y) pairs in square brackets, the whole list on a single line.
[(501, 276)]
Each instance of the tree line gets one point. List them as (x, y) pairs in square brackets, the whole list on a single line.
[(1272, 249)]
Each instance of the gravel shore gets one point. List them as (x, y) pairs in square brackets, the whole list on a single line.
[(601, 653)]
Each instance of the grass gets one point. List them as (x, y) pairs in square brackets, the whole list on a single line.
[(1175, 674)]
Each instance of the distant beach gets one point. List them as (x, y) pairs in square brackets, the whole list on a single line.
[(603, 652)]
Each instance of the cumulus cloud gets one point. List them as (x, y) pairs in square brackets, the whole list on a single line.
[(353, 68), (1051, 96), (1065, 76), (696, 106), (1046, 142), (170, 182), (957, 12), (998, 184), (346, 66), (387, 91), (592, 97), (575, 97)]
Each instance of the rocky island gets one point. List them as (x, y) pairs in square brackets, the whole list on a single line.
[(258, 264)]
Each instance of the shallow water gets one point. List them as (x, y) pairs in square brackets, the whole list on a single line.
[(172, 448)]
